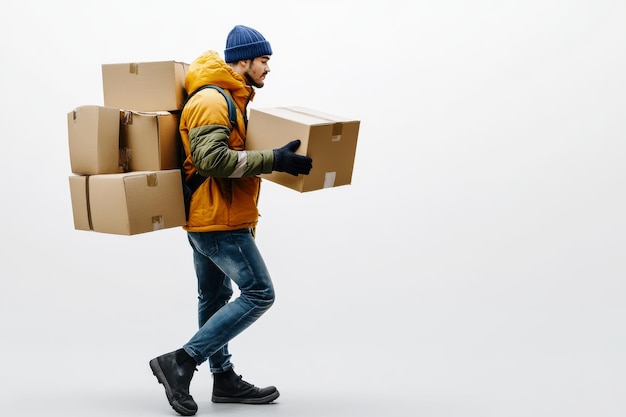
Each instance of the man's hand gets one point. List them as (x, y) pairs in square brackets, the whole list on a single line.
[(286, 160)]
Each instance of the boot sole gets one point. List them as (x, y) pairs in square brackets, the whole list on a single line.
[(261, 400), (160, 376)]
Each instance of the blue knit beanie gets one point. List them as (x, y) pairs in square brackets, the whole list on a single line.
[(245, 43)]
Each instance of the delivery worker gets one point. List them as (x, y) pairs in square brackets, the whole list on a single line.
[(222, 218)]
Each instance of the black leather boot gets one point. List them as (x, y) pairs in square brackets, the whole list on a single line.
[(228, 387), (174, 370)]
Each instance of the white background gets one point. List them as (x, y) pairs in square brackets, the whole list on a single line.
[(475, 266)]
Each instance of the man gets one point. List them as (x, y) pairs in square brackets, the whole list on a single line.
[(222, 218)]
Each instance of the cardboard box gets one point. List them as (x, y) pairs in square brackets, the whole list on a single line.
[(144, 86), (127, 203), (328, 139), (149, 140), (80, 203), (94, 140)]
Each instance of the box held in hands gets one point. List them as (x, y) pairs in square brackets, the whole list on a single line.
[(328, 139)]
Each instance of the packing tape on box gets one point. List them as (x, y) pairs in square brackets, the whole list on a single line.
[(337, 126), (329, 179), (133, 68), (152, 180), (337, 129), (157, 223), (127, 117)]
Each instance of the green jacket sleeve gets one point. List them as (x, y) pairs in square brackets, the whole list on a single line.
[(213, 158)]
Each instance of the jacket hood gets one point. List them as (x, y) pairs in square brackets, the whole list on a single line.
[(210, 68)]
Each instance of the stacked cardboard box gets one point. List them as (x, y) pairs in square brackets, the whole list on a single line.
[(124, 154)]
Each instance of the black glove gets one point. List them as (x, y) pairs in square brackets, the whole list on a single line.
[(285, 160)]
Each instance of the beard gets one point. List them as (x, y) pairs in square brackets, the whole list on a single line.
[(251, 81)]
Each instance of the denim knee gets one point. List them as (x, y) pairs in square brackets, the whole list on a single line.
[(262, 299)]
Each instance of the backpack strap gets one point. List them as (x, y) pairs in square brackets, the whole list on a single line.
[(198, 179)]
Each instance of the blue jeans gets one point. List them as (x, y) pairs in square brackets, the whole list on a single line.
[(220, 257)]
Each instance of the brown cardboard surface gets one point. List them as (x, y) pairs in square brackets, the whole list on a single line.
[(94, 140), (128, 203), (80, 207), (150, 140), (144, 86)]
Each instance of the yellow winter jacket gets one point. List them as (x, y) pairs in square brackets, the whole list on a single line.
[(227, 199)]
